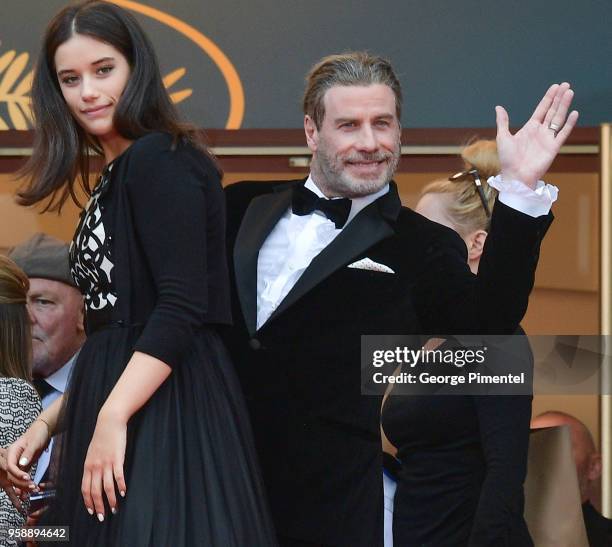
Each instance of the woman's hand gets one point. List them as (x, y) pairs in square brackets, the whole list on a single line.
[(106, 454), (6, 485), (24, 451), (104, 464), (527, 155)]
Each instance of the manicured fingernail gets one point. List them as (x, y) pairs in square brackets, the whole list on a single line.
[(100, 517), (25, 477), (23, 461), (32, 486), (90, 510), (114, 510), (122, 493)]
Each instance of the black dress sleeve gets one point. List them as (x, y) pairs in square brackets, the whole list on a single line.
[(167, 189), (504, 432)]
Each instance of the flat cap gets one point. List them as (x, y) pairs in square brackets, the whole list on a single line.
[(45, 257)]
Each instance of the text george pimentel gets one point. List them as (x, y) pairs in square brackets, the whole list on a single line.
[(453, 380)]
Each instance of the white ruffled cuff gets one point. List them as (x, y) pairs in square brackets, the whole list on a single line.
[(519, 196)]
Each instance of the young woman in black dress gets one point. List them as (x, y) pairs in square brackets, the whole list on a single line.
[(156, 446)]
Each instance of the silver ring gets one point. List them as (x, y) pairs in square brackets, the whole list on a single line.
[(554, 128)]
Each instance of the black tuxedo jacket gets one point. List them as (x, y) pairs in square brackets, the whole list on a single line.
[(317, 436)]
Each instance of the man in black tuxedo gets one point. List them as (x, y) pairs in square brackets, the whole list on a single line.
[(318, 263)]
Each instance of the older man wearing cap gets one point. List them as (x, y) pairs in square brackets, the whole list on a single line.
[(56, 312)]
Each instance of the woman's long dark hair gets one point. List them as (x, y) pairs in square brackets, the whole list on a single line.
[(61, 147), (15, 327)]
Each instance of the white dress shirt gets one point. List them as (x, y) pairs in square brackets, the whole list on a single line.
[(389, 488), (296, 240), (58, 381)]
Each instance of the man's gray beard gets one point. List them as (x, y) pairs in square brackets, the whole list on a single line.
[(332, 178)]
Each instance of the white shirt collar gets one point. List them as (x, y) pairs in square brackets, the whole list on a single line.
[(357, 204), (59, 379)]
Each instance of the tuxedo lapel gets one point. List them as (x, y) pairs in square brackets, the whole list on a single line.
[(368, 228), (260, 218)]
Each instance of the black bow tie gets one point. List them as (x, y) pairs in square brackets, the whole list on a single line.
[(305, 202), (43, 387)]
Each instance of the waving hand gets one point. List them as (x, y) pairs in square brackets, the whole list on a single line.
[(527, 155)]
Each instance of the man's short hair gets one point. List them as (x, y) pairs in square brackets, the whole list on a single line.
[(356, 68), (45, 257)]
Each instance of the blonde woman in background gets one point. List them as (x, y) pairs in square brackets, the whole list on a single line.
[(464, 201), (492, 431), (19, 402)]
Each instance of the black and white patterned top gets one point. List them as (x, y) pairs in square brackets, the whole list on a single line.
[(19, 407), (90, 253)]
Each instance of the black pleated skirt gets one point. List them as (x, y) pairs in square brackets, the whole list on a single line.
[(190, 467)]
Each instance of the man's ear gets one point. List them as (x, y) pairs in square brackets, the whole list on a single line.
[(476, 244), (594, 471), (312, 133)]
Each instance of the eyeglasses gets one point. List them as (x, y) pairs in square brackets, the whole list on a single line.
[(463, 175)]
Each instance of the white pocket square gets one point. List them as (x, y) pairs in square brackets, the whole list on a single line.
[(367, 264)]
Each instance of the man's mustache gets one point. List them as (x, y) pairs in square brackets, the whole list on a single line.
[(368, 157)]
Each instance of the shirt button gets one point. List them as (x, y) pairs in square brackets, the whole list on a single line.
[(254, 344)]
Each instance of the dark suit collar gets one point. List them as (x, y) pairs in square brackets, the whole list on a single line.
[(390, 204), (262, 214), (371, 225)]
